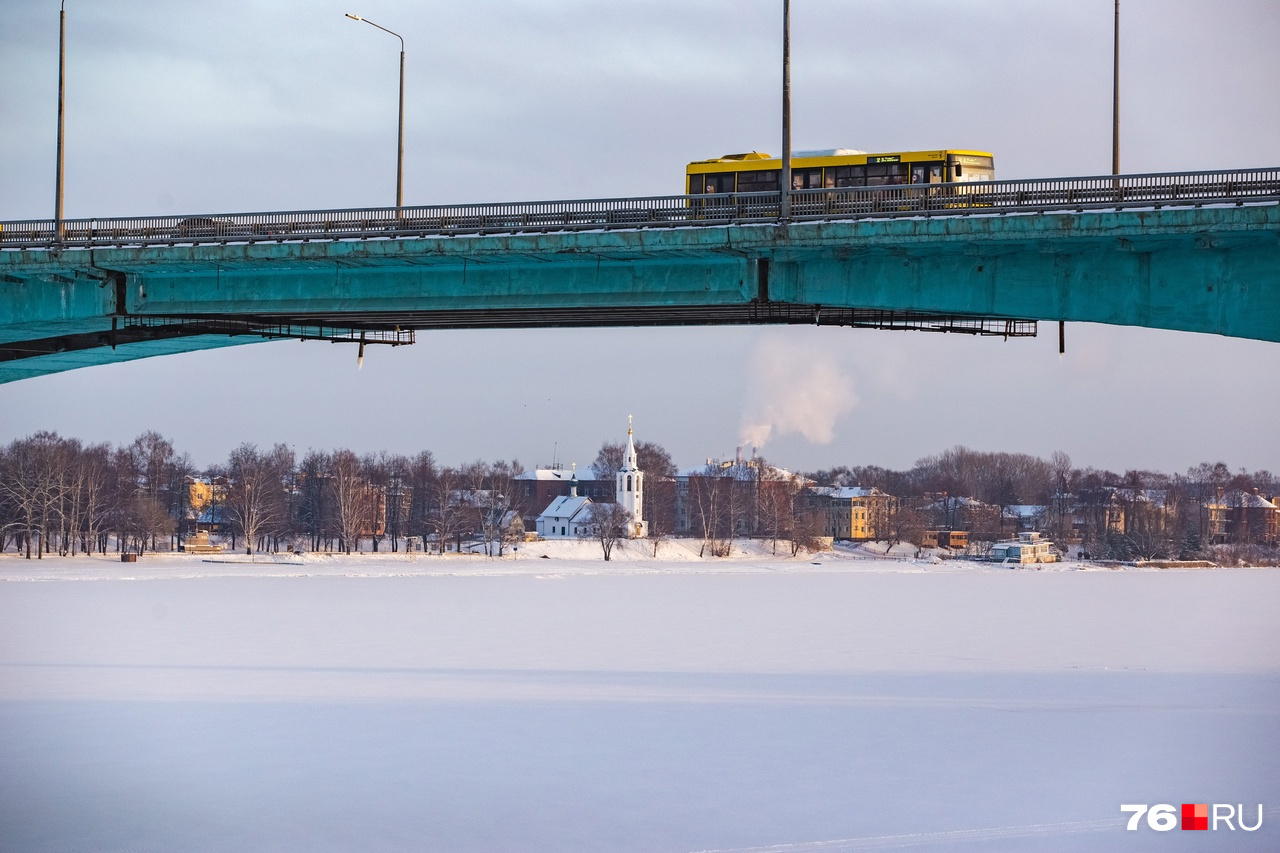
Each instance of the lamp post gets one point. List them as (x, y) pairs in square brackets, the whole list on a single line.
[(1115, 97), (62, 68), (784, 210), (400, 146)]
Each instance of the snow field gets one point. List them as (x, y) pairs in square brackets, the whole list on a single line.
[(570, 704)]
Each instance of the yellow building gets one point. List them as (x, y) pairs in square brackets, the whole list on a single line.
[(206, 500), (853, 512)]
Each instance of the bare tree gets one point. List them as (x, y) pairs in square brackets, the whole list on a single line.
[(93, 472), (255, 494), (651, 458), (448, 517), (656, 535), (708, 500), (506, 502), (399, 496), (905, 524), (423, 476), (777, 497), (27, 484), (377, 476), (480, 502), (159, 475), (351, 498), (315, 498), (609, 524), (806, 530)]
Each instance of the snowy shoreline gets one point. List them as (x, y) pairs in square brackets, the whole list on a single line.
[(678, 556)]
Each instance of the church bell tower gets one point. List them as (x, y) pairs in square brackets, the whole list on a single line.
[(630, 492)]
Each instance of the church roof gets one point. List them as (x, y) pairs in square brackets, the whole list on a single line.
[(565, 507)]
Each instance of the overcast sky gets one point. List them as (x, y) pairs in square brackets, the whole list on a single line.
[(196, 107)]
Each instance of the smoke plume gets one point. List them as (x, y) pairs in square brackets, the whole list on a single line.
[(794, 388)]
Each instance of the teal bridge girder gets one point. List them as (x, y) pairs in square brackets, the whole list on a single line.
[(1206, 264)]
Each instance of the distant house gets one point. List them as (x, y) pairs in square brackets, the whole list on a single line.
[(1027, 548), (1243, 517), (726, 497), (539, 487), (1110, 509), (206, 505), (982, 521), (852, 512), (953, 539), (568, 517)]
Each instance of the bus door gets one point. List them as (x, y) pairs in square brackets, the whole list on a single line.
[(926, 173), (807, 179)]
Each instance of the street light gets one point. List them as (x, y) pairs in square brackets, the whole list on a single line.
[(785, 208), (400, 148), (62, 67), (1115, 98)]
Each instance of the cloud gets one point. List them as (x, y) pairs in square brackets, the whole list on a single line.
[(794, 388)]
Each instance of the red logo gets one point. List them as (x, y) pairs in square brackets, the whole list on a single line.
[(1195, 815)]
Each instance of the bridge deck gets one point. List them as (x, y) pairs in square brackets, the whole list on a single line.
[(1206, 267)]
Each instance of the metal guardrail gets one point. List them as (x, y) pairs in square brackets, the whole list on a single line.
[(1180, 189)]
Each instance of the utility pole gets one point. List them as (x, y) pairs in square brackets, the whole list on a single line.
[(785, 208), (62, 69), (1115, 98)]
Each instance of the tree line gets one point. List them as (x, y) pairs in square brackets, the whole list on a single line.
[(62, 496), (1134, 514)]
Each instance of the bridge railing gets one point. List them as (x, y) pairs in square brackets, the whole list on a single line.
[(953, 199)]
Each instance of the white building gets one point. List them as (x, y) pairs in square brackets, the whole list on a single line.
[(1027, 548), (630, 491), (568, 516)]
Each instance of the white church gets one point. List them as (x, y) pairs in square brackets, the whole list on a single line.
[(569, 516)]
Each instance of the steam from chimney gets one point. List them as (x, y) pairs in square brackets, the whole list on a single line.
[(794, 387)]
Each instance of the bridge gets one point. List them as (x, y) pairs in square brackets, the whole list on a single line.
[(1192, 251)]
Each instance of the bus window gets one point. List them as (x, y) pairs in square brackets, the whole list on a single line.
[(883, 174), (721, 182), (697, 183), (973, 167), (806, 179), (759, 181), (847, 176)]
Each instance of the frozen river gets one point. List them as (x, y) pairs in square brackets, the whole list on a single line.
[(566, 705)]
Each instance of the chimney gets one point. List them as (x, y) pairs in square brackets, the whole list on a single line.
[(737, 457)]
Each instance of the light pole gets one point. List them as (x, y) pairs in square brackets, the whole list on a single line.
[(1115, 98), (400, 146), (785, 207), (62, 68)]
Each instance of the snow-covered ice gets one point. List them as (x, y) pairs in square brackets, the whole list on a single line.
[(837, 702)]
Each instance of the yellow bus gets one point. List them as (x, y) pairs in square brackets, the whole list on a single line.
[(836, 167)]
